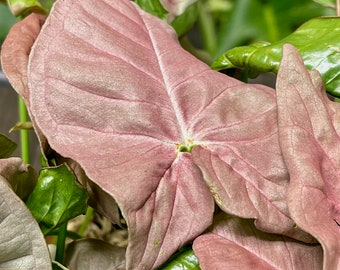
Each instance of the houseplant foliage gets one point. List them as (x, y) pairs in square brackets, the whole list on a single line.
[(186, 153)]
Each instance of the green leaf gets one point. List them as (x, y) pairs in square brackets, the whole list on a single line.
[(56, 198), (326, 3), (254, 20), (153, 7), (318, 42), (22, 126), (185, 260), (23, 7), (186, 20), (7, 146), (6, 21)]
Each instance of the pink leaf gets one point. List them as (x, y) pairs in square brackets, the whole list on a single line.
[(234, 243), (111, 88), (20, 48), (309, 137), (22, 244)]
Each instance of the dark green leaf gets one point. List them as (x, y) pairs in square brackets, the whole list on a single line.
[(56, 198), (185, 260), (7, 146), (317, 41)]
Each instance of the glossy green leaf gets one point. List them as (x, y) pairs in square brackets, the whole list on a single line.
[(7, 146), (56, 198), (318, 42), (185, 260)]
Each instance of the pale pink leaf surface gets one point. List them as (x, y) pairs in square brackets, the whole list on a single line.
[(112, 89), (94, 254), (235, 243), (22, 244), (309, 137)]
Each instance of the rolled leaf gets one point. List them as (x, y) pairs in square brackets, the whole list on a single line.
[(316, 40), (7, 146), (309, 133), (19, 175), (23, 7)]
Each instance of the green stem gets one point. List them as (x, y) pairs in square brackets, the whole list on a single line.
[(24, 136), (270, 19), (207, 29), (87, 221), (59, 256)]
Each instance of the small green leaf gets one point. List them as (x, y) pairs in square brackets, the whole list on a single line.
[(7, 146), (22, 126), (318, 42), (186, 20), (153, 7), (56, 198), (23, 7), (185, 260)]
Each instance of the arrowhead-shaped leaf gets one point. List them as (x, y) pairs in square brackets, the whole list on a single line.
[(234, 243), (124, 100), (22, 245), (309, 135)]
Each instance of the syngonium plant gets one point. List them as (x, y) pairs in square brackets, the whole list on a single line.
[(246, 173)]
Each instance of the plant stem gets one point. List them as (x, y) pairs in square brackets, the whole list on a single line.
[(59, 256), (270, 19), (207, 29), (24, 138), (87, 220), (338, 8)]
